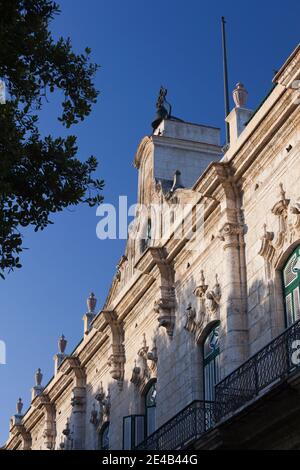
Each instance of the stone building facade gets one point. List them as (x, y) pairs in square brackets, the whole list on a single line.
[(196, 345)]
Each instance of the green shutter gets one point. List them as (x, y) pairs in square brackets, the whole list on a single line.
[(291, 285)]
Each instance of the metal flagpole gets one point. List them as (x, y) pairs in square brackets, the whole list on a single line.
[(225, 73)]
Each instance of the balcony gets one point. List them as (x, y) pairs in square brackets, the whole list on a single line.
[(273, 363), (183, 429), (265, 371)]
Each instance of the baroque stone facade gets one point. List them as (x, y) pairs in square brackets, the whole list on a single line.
[(171, 292)]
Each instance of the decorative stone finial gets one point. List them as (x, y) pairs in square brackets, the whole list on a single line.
[(19, 407), (202, 288), (38, 378), (240, 95), (62, 344), (91, 302)]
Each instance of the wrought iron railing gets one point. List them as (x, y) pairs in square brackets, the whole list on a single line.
[(272, 363), (184, 428)]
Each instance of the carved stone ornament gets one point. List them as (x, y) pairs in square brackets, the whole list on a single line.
[(197, 319), (164, 306), (116, 360), (66, 441), (145, 365), (274, 244), (101, 416)]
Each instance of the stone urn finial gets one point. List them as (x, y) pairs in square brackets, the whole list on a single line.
[(240, 95), (62, 344), (91, 302), (38, 377), (19, 407)]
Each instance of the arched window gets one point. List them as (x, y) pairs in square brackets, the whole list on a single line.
[(104, 437), (291, 285), (211, 353), (150, 409)]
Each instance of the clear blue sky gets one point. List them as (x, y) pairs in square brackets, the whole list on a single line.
[(140, 45)]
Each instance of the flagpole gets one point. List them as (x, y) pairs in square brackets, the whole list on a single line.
[(225, 74)]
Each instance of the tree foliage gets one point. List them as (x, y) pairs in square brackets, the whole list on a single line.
[(40, 175)]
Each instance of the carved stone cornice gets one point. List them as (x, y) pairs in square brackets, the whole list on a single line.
[(274, 244), (164, 306), (290, 69), (116, 360)]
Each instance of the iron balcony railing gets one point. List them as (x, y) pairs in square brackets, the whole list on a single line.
[(272, 363), (184, 428)]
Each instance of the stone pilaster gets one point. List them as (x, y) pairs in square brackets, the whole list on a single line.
[(72, 366), (49, 432), (78, 402), (233, 311)]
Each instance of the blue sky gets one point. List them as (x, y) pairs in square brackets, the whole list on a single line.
[(140, 45)]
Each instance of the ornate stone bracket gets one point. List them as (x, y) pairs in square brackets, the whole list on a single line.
[(209, 300), (116, 360), (145, 367), (273, 245), (164, 306)]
